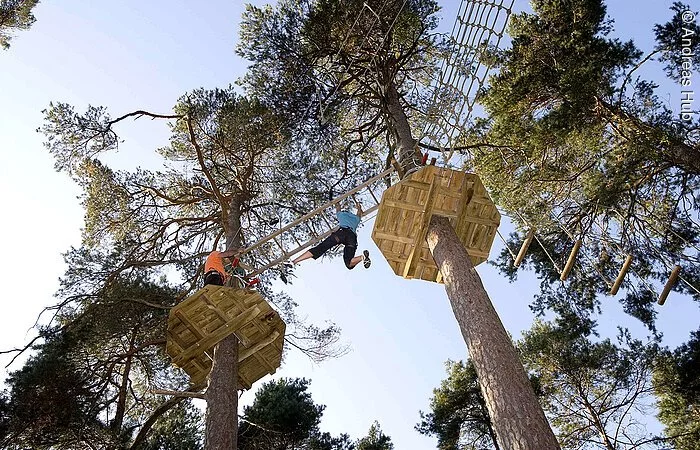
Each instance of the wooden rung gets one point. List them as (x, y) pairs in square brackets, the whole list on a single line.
[(295, 238), (669, 285), (570, 262), (325, 219), (310, 226), (523, 248), (621, 275)]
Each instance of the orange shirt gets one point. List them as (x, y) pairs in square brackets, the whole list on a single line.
[(215, 262)]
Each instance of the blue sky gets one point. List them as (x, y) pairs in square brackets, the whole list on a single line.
[(144, 55)]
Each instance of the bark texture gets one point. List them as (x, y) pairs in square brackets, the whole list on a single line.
[(517, 416), (222, 397), (407, 154), (221, 432)]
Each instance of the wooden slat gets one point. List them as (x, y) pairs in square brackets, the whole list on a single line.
[(245, 354), (246, 312), (220, 334), (418, 208), (213, 308), (393, 237), (423, 226), (189, 324)]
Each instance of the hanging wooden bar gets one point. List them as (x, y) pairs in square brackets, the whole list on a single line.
[(669, 285), (621, 275), (523, 249), (570, 262)]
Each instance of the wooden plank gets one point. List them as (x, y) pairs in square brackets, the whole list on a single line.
[(669, 285), (465, 199), (215, 309), (570, 262), (222, 332), (480, 220), (269, 368), (394, 238), (417, 208), (621, 275), (189, 324), (422, 231)]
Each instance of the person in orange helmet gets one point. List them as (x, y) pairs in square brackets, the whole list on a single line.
[(214, 267)]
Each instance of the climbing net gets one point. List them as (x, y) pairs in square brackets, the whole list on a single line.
[(480, 24)]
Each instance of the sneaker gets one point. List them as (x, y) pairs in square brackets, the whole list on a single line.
[(365, 260)]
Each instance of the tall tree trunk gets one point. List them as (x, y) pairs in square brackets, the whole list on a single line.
[(118, 421), (222, 397), (408, 155), (597, 423), (517, 416), (222, 393)]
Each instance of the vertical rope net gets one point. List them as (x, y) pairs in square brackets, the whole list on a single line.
[(479, 24)]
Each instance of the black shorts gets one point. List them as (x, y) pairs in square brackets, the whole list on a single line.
[(344, 236), (213, 277)]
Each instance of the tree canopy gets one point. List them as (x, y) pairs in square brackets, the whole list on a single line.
[(581, 149), (89, 380), (594, 391), (230, 176), (283, 416), (15, 15), (677, 385), (359, 68)]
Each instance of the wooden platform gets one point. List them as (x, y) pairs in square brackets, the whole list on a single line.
[(212, 313), (405, 211)]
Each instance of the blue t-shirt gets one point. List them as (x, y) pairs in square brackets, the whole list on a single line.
[(348, 220)]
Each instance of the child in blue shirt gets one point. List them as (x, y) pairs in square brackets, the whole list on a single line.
[(346, 234)]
